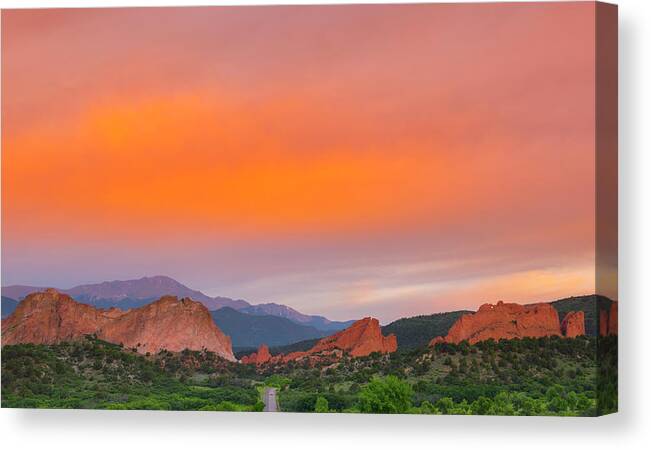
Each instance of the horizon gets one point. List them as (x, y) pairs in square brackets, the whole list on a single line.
[(256, 154), (253, 302)]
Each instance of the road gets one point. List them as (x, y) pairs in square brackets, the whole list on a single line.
[(270, 401)]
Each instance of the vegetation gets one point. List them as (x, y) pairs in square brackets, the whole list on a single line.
[(550, 376), (96, 374), (607, 375), (387, 395), (321, 405), (546, 376)]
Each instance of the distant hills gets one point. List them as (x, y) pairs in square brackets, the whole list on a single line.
[(318, 322), (250, 331), (8, 306), (127, 294), (589, 304), (417, 331)]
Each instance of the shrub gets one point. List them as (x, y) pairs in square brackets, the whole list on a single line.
[(387, 395)]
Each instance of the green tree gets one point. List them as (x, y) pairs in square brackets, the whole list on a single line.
[(481, 406), (321, 405), (445, 405), (387, 395)]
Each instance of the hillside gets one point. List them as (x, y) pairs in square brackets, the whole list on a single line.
[(248, 330), (417, 331), (301, 346)]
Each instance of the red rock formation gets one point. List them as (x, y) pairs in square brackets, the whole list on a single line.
[(260, 357), (573, 324), (504, 321), (360, 339), (511, 320), (50, 317), (603, 322), (613, 325)]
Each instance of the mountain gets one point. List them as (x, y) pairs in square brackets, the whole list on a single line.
[(248, 330), (274, 309), (8, 306), (145, 289), (19, 291), (168, 323), (417, 331), (126, 294)]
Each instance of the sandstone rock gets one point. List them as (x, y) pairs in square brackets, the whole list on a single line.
[(360, 339), (573, 324), (603, 322), (260, 357), (49, 317), (613, 325), (504, 321)]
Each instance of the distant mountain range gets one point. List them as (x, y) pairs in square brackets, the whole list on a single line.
[(129, 294), (274, 309), (250, 331)]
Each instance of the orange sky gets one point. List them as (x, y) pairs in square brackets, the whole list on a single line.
[(384, 160)]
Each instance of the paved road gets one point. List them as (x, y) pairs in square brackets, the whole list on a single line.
[(270, 401)]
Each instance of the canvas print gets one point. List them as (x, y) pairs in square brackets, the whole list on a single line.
[(405, 209)]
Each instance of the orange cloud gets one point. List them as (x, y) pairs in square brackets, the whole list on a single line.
[(203, 162)]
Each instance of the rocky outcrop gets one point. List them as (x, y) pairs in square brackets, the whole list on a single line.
[(603, 322), (169, 323), (613, 325), (573, 324), (260, 357), (608, 321), (362, 338), (509, 321)]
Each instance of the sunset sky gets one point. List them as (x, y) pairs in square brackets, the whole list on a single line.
[(346, 161)]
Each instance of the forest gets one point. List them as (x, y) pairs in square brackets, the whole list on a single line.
[(544, 376)]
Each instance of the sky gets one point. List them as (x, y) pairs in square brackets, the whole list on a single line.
[(346, 161)]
